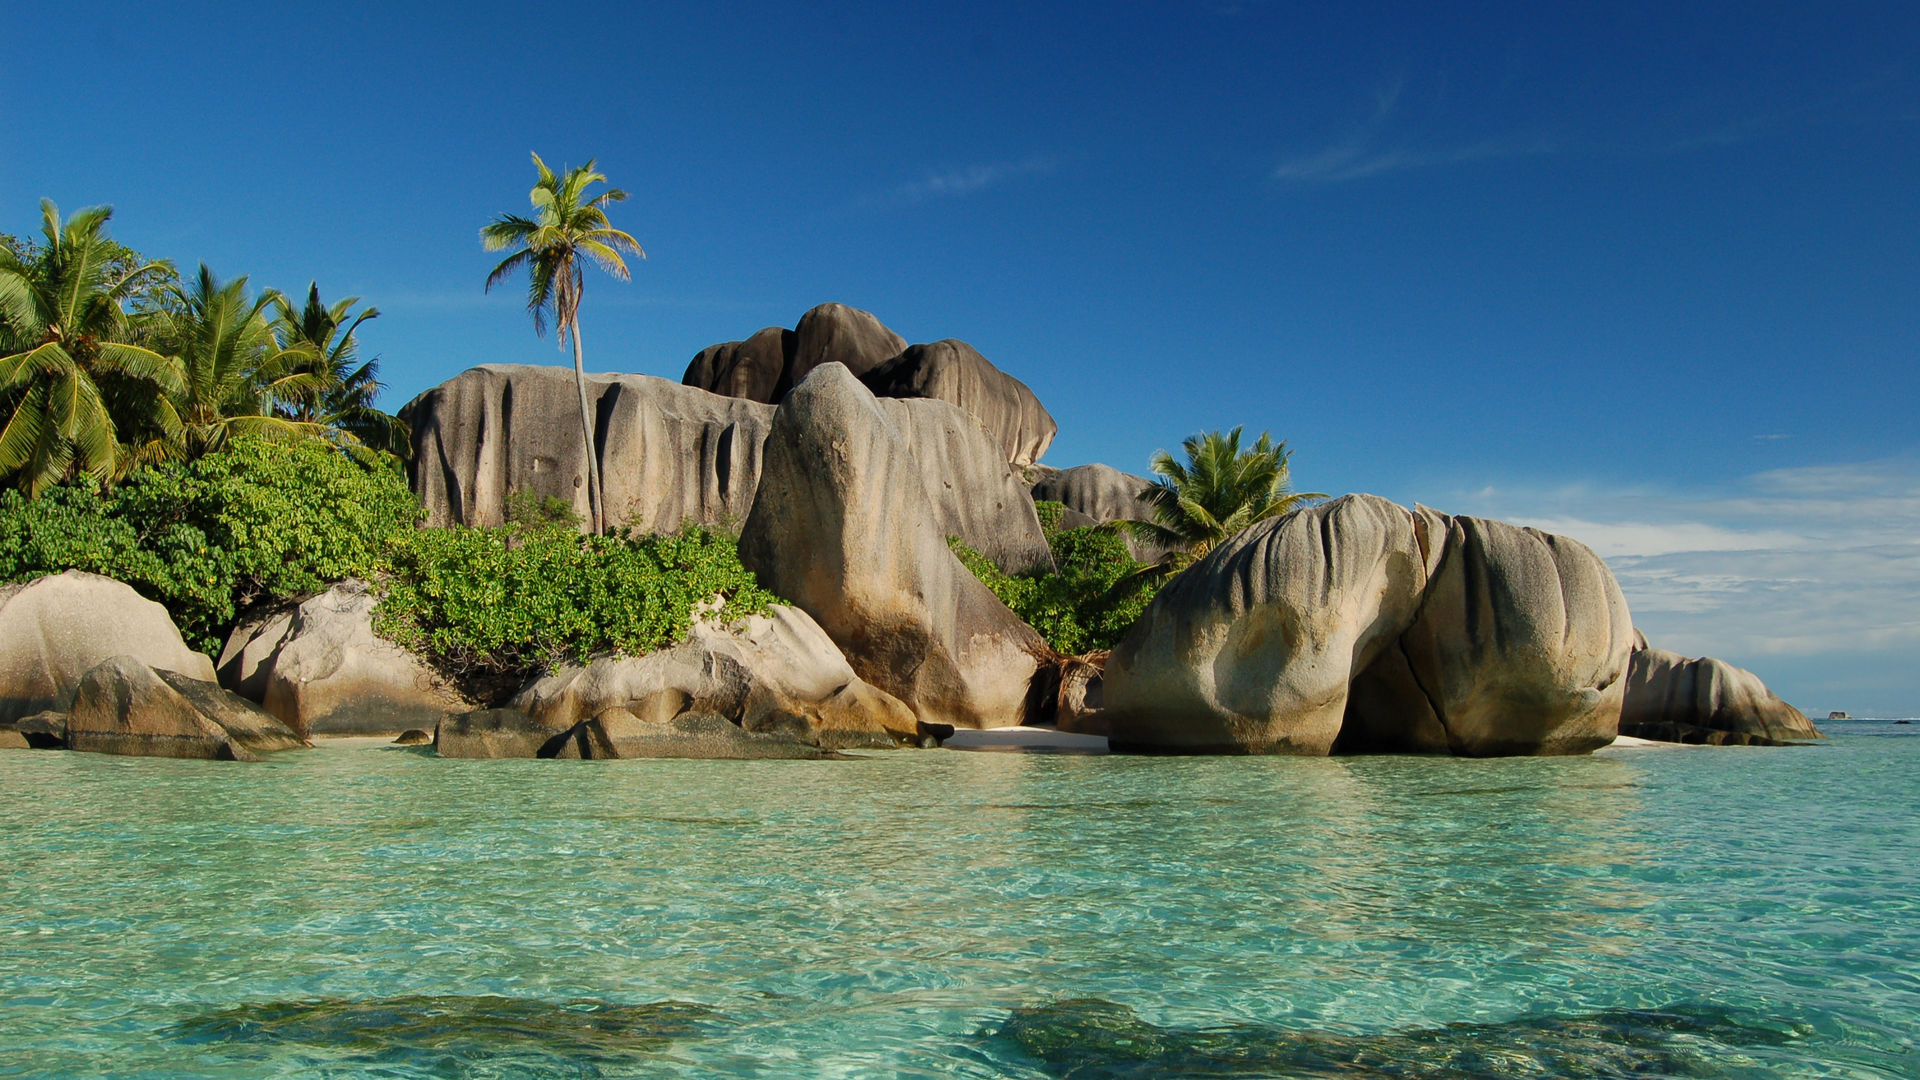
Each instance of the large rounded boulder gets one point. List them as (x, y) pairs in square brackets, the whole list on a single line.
[(838, 334), (843, 527), (755, 369), (123, 706), (1251, 649), (1674, 698), (54, 629), (321, 670), (953, 371), (1100, 493)]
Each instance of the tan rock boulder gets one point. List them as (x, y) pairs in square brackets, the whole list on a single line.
[(1520, 647), (618, 733), (777, 674), (1100, 493), (1673, 698), (123, 706), (493, 733), (844, 529), (1251, 650), (838, 334), (954, 372), (322, 670), (755, 369), (54, 629)]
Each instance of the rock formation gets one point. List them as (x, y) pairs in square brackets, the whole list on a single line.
[(1100, 493), (838, 334), (493, 733), (123, 706), (755, 369), (844, 529), (54, 629), (1673, 698), (1361, 626), (954, 372), (321, 670)]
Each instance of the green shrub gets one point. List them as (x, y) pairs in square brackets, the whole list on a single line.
[(1089, 603), (524, 598), (253, 522)]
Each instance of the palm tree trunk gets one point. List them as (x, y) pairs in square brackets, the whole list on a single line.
[(595, 498)]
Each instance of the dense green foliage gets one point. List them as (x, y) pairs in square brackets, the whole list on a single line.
[(533, 594), (108, 362), (1218, 491), (567, 231), (1089, 603), (208, 538)]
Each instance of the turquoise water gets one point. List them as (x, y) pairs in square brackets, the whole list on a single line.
[(378, 912)]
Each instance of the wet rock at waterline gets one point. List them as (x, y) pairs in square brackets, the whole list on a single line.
[(414, 737), (321, 670), (1361, 626), (1673, 698), (843, 528), (492, 733), (955, 372), (54, 629), (122, 706), (619, 733)]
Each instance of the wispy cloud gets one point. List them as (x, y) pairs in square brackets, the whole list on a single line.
[(1801, 563), (965, 180)]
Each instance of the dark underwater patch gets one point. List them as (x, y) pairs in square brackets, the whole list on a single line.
[(447, 1035), (1091, 1039)]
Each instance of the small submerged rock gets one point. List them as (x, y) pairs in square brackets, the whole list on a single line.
[(414, 737)]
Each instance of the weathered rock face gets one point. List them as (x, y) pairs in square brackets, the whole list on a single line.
[(122, 706), (1672, 698), (54, 629), (775, 675), (838, 334), (1520, 647), (321, 670), (1100, 493), (1361, 626), (954, 372), (843, 528), (1251, 650), (755, 369), (493, 733), (668, 453), (972, 493)]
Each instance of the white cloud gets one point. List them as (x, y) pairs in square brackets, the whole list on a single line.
[(954, 182)]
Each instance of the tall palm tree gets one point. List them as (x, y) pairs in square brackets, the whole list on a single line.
[(566, 230), (343, 402), (1219, 490), (68, 355), (236, 377)]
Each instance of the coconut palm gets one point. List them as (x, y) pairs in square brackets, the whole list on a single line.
[(69, 355), (1219, 490), (236, 377), (566, 231), (343, 402)]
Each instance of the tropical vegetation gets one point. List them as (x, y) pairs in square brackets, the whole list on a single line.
[(1089, 602), (567, 230), (1219, 490)]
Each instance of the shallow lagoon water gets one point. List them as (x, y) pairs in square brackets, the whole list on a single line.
[(1712, 912)]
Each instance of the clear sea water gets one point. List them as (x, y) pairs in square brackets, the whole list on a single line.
[(1694, 912)]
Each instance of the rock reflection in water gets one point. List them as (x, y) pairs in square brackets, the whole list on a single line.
[(1091, 1039), (524, 1035)]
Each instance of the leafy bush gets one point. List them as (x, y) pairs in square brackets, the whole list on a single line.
[(1089, 603), (253, 522), (528, 596)]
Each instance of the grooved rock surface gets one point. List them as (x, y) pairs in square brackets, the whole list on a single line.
[(1101, 493), (971, 492), (54, 629), (777, 675), (755, 369), (1674, 698), (954, 372), (1252, 648), (1520, 647), (844, 529), (1360, 626), (838, 334), (322, 670), (122, 706), (668, 453)]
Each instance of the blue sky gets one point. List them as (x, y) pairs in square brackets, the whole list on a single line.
[(1649, 274)]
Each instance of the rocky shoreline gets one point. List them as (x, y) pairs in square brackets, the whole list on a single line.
[(847, 459)]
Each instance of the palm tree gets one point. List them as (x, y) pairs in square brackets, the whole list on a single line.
[(68, 355), (1220, 490), (237, 378), (554, 244), (345, 395)]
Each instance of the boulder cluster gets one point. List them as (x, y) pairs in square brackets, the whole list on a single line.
[(846, 459)]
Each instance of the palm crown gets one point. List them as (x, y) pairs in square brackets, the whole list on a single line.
[(1219, 490)]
